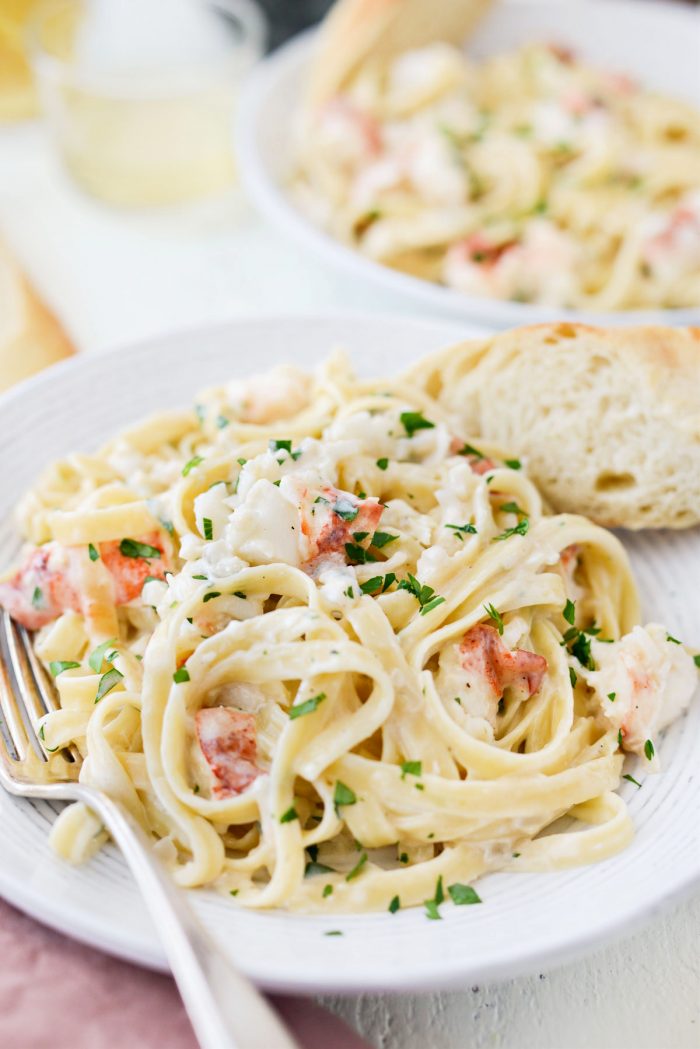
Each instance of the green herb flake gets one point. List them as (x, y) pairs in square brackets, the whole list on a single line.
[(573, 678), (181, 675), (411, 768), (513, 464), (464, 894), (357, 869), (512, 508), (395, 905), (359, 536), (569, 612), (359, 554), (313, 868), (496, 616), (307, 707), (37, 597), (424, 594), (96, 657), (346, 510), (343, 795), (403, 858), (132, 548), (57, 666), (210, 596), (619, 737), (673, 640), (207, 528), (382, 463), (631, 779), (469, 449), (462, 530), (380, 539), (233, 892), (190, 466), (276, 445), (222, 422), (414, 421), (431, 909), (107, 682), (520, 528), (327, 891), (612, 696), (93, 552), (696, 660), (333, 932), (648, 750), (289, 815)]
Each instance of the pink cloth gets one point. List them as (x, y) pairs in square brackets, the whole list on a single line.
[(58, 994)]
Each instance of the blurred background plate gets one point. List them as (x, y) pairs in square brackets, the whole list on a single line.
[(526, 921), (658, 43)]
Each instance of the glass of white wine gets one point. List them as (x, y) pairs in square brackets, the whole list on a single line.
[(140, 95)]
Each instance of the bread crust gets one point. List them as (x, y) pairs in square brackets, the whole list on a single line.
[(31, 338), (357, 31), (606, 420)]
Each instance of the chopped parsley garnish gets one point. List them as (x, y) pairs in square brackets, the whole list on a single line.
[(57, 666), (93, 552), (696, 660), (240, 593), (132, 548), (289, 815), (461, 530), (210, 596), (333, 932), (346, 510), (648, 750), (631, 779), (320, 499), (357, 868), (359, 554), (207, 528), (204, 577), (180, 675), (494, 614), (359, 536), (519, 529), (569, 612), (572, 677), (469, 449), (349, 592), (403, 858), (619, 737), (395, 905), (512, 508), (343, 795), (413, 421), (327, 891), (513, 464), (424, 594), (581, 648), (411, 768), (107, 683), (380, 539), (280, 446), (612, 696), (307, 707), (431, 909), (195, 790), (378, 584), (194, 461), (37, 597), (382, 463), (673, 640), (97, 656), (462, 894)]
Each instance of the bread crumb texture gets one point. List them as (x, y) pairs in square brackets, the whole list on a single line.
[(607, 420)]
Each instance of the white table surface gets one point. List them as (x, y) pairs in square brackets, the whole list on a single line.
[(115, 277)]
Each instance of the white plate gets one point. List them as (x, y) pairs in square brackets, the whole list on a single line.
[(526, 921), (657, 42)]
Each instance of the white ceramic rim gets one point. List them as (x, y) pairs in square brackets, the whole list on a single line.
[(265, 191), (434, 971)]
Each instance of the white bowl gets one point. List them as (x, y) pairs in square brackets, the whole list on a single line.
[(527, 921), (657, 42)]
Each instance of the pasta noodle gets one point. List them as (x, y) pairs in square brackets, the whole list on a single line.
[(529, 176), (332, 654)]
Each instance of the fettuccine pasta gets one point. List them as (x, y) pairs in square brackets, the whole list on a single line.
[(529, 176), (334, 654)]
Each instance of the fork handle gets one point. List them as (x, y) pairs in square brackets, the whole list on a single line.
[(225, 1009)]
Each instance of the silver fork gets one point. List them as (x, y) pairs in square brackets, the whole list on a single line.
[(224, 1008)]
